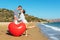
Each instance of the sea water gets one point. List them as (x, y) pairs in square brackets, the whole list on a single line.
[(51, 30)]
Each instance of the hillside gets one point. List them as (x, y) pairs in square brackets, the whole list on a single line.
[(7, 16)]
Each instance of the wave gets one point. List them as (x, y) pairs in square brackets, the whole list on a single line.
[(54, 38), (52, 27)]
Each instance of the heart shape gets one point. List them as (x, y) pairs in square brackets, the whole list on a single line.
[(16, 29)]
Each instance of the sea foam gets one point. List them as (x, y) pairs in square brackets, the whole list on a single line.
[(52, 27)]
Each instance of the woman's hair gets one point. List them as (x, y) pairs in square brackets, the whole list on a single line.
[(24, 11)]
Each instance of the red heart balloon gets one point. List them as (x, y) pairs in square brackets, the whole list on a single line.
[(16, 29)]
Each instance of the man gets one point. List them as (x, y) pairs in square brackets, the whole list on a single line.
[(17, 13)]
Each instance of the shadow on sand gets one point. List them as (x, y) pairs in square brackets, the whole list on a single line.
[(8, 33)]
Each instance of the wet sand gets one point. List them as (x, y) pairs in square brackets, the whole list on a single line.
[(34, 33)]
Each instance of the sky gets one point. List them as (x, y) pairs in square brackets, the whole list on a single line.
[(46, 9)]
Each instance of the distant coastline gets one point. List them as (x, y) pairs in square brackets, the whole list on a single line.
[(54, 20)]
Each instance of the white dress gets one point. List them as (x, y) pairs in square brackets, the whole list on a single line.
[(22, 18)]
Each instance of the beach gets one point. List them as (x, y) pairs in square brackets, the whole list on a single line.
[(34, 33)]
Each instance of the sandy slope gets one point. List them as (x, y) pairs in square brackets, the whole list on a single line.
[(33, 33)]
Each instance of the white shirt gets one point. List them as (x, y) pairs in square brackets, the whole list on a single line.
[(22, 18)]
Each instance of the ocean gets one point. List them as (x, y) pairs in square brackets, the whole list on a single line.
[(51, 30)]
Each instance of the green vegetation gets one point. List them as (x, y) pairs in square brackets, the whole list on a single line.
[(7, 16)]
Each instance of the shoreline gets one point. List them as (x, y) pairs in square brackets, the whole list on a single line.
[(34, 33), (51, 30)]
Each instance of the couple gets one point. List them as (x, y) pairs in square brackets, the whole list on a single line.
[(19, 15)]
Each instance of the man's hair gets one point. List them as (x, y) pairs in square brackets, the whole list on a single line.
[(19, 6)]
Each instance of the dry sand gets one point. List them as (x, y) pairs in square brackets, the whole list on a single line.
[(33, 33)]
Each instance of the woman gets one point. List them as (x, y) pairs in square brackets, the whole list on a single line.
[(22, 17)]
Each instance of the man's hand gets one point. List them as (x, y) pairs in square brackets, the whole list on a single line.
[(15, 18)]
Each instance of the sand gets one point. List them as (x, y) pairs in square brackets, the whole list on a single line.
[(34, 33)]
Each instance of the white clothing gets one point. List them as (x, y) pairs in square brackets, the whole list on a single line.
[(22, 18)]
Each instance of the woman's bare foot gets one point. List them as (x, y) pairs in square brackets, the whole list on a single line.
[(26, 35), (31, 27)]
